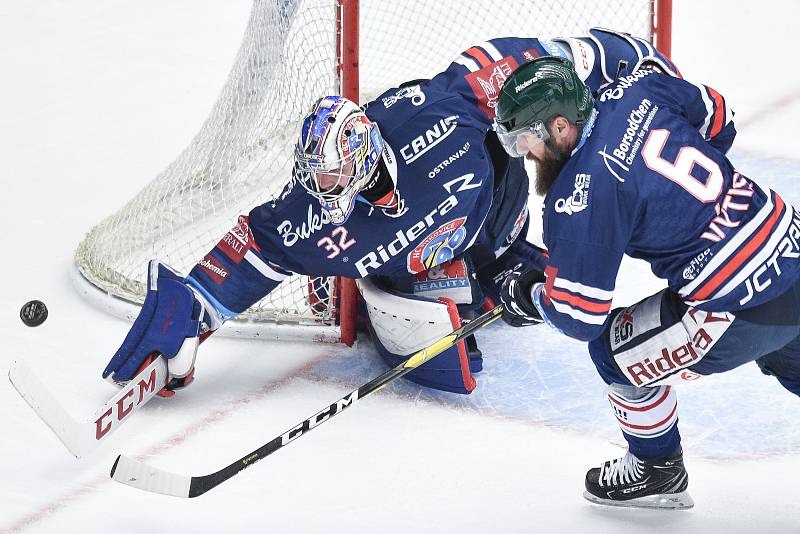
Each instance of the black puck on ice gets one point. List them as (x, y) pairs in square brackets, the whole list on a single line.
[(33, 313)]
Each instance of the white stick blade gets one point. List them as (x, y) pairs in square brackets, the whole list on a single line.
[(46, 406), (148, 478)]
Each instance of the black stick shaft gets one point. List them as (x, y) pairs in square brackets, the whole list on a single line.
[(202, 484)]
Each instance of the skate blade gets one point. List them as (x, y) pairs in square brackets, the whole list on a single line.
[(665, 501)]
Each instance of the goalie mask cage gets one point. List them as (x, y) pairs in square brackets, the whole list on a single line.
[(293, 52)]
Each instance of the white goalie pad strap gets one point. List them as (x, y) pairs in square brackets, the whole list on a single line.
[(644, 50), (182, 363), (654, 61), (404, 324), (209, 312), (583, 56), (644, 412), (649, 350), (605, 67)]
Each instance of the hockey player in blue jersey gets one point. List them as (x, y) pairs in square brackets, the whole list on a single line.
[(641, 170), (412, 195)]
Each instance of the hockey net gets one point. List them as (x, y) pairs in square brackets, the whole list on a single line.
[(293, 52)]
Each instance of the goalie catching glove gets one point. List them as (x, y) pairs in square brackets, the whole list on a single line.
[(520, 290), (172, 321)]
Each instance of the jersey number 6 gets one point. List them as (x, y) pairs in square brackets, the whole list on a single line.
[(680, 171)]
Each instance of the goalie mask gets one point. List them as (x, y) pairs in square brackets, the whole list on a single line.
[(337, 154)]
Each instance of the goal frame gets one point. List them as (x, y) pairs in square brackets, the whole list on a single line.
[(346, 76), (348, 54)]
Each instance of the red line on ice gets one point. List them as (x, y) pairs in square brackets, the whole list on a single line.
[(55, 505)]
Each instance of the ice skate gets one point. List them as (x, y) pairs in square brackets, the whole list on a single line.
[(636, 483)]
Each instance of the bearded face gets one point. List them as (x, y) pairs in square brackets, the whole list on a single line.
[(549, 162)]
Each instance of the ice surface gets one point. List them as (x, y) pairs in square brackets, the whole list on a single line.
[(99, 96)]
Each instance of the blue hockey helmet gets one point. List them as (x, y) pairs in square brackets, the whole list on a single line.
[(337, 154)]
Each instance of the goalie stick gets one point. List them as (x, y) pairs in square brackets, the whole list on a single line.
[(142, 476), (81, 437)]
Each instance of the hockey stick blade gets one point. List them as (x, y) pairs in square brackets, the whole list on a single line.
[(46, 406), (147, 478), (81, 437)]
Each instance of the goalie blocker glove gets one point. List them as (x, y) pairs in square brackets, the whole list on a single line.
[(519, 292), (171, 323)]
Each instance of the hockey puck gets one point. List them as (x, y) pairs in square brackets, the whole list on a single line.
[(33, 313)]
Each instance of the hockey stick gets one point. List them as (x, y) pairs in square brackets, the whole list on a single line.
[(145, 477), (80, 437)]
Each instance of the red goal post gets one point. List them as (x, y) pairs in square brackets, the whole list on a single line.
[(294, 51)]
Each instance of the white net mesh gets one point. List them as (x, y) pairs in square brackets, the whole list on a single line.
[(242, 155)]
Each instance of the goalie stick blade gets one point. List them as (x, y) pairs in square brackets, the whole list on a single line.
[(82, 436), (148, 478), (47, 407)]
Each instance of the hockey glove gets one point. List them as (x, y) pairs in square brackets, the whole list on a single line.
[(517, 296), (170, 323)]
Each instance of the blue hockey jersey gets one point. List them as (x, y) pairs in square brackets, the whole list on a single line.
[(652, 181), (455, 192)]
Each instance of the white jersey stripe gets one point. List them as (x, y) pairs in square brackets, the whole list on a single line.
[(263, 268), (586, 291), (471, 64), (728, 114), (493, 52), (650, 50), (577, 314), (756, 261), (709, 108), (731, 247)]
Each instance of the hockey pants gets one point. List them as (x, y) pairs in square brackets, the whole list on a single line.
[(646, 409)]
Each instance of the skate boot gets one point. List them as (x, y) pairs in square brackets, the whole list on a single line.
[(632, 482)]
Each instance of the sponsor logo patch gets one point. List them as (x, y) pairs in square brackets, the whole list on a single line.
[(635, 321), (238, 241), (315, 220), (213, 269), (446, 280), (697, 264), (621, 157), (582, 56), (432, 137), (487, 82), (617, 89), (552, 48), (527, 83), (438, 246), (403, 238), (579, 200), (787, 249), (667, 353), (414, 92), (530, 54), (452, 159)]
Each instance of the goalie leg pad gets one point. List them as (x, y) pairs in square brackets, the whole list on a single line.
[(401, 324)]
